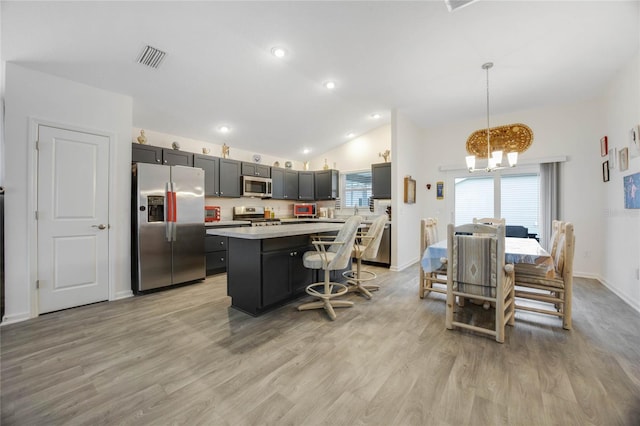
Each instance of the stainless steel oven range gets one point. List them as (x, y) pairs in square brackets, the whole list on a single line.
[(255, 215)]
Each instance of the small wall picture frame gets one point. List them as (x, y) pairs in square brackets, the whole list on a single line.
[(605, 171), (634, 142), (623, 159), (613, 158), (440, 190), (604, 146), (409, 190)]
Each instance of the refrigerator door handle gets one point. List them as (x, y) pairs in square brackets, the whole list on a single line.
[(170, 211)]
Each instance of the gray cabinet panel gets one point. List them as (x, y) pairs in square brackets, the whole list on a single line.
[(306, 186), (326, 184), (381, 180), (229, 178), (211, 166)]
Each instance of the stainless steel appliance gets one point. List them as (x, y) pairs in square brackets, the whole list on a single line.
[(253, 186), (304, 209), (168, 230), (384, 251), (255, 215)]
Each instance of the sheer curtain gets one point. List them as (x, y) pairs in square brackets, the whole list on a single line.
[(549, 199)]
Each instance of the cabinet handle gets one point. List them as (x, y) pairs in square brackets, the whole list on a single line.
[(222, 259), (157, 160), (221, 243), (291, 254)]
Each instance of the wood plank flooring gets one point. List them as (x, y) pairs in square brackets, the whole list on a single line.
[(184, 357)]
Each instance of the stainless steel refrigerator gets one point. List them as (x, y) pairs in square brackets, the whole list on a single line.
[(168, 226)]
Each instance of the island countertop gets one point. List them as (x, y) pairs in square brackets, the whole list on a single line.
[(265, 232)]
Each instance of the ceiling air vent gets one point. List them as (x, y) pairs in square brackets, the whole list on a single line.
[(151, 57)]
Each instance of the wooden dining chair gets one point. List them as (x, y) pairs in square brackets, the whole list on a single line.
[(550, 295), (429, 236), (557, 227), (495, 221), (477, 270)]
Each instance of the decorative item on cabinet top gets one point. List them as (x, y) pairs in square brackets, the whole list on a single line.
[(175, 145), (225, 150), (257, 158), (288, 164), (142, 139), (276, 164), (385, 155)]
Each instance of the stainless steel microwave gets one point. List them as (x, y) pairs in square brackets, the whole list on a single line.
[(253, 186)]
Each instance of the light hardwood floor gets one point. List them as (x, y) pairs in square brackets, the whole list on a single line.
[(183, 356)]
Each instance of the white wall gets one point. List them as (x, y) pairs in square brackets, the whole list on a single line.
[(571, 130), (622, 226), (30, 94), (406, 140), (359, 153)]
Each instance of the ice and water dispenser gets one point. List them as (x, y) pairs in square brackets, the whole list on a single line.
[(155, 208)]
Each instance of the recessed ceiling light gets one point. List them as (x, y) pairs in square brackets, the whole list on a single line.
[(330, 85), (375, 116), (279, 52), (306, 151), (224, 129), (350, 134)]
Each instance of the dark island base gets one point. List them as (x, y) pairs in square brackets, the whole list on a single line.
[(265, 274)]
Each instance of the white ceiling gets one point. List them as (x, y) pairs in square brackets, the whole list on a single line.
[(414, 56)]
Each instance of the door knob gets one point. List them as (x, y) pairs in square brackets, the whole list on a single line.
[(101, 226)]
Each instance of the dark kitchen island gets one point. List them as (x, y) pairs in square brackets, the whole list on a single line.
[(264, 264)]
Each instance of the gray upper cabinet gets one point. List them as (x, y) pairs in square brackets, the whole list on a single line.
[(221, 175), (156, 155), (211, 167), (306, 190), (327, 184), (381, 180), (254, 169), (173, 157), (285, 184), (146, 154), (229, 178)]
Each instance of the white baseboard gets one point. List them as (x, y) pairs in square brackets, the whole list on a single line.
[(625, 298), (123, 295), (12, 319)]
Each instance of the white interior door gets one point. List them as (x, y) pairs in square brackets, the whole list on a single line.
[(73, 220)]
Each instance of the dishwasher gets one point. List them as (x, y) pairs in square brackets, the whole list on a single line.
[(384, 251)]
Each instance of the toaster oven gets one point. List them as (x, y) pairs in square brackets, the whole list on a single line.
[(211, 213), (304, 210)]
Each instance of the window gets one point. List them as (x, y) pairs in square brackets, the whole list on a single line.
[(357, 189), (515, 197)]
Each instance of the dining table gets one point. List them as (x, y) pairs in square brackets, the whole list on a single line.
[(525, 253)]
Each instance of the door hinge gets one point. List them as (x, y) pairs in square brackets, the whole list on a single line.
[(37, 145), (36, 214), (37, 284)]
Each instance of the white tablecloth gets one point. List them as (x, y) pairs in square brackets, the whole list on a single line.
[(518, 250)]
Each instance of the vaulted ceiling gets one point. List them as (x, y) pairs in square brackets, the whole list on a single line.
[(415, 56)]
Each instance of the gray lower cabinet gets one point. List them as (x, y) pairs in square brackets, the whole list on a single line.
[(264, 274), (216, 254)]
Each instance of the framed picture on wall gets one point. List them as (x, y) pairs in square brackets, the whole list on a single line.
[(604, 146), (605, 171), (613, 158), (409, 190), (624, 159), (634, 142), (439, 190), (632, 191)]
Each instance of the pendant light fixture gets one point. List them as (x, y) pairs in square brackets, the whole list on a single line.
[(494, 158)]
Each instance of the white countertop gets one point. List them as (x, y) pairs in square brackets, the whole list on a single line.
[(264, 232), (226, 223)]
